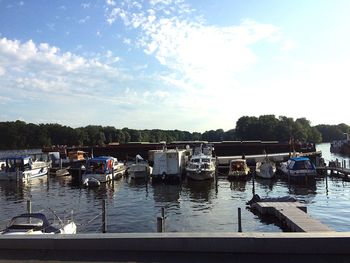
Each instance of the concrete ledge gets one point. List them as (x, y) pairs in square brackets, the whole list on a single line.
[(257, 243)]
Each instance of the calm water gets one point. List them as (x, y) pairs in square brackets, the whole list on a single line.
[(190, 206)]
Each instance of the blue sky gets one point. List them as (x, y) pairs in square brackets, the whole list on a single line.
[(173, 64)]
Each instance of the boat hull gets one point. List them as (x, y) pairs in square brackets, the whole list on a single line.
[(200, 175)]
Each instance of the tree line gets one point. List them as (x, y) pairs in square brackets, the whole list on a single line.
[(21, 135)]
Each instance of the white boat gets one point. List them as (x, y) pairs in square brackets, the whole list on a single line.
[(265, 169), (139, 169), (168, 164), (238, 169), (103, 169), (22, 168), (37, 223), (202, 165), (298, 167)]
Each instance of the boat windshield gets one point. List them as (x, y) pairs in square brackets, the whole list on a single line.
[(96, 166), (205, 160), (26, 222), (237, 166)]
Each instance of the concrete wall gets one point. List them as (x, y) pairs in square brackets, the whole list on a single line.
[(97, 247)]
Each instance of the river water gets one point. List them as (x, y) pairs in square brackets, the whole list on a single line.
[(189, 206)]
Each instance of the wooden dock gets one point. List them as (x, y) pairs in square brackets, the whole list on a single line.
[(340, 170), (293, 215)]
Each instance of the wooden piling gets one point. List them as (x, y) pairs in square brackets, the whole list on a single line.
[(239, 220), (159, 224), (104, 218), (80, 176), (29, 206)]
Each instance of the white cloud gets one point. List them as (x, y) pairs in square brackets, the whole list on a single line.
[(85, 5), (202, 61), (41, 69), (84, 20)]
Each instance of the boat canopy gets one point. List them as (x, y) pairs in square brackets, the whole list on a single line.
[(18, 163), (100, 164), (300, 163), (35, 221)]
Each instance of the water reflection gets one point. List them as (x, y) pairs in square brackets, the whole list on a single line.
[(200, 190), (166, 193), (238, 185)]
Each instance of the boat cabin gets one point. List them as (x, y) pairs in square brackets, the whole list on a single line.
[(100, 165), (18, 163), (300, 163), (238, 165)]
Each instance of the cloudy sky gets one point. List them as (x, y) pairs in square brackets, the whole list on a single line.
[(173, 64)]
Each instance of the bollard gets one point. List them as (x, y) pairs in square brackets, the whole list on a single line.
[(326, 184), (159, 224), (239, 220), (104, 218), (29, 206)]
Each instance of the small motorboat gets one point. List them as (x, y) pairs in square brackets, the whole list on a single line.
[(238, 169), (265, 169), (22, 168), (298, 168), (37, 223), (139, 169)]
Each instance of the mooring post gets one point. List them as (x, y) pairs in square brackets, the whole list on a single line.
[(104, 218), (253, 179), (326, 183), (159, 224), (163, 216), (29, 206), (80, 176), (239, 220)]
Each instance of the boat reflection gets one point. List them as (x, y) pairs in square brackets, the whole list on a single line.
[(238, 185), (200, 190)]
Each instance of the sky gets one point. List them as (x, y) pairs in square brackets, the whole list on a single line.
[(192, 65)]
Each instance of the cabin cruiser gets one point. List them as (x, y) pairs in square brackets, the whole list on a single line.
[(22, 168), (298, 167), (102, 169), (202, 165), (238, 169), (37, 223)]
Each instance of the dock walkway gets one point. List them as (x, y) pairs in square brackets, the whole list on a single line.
[(341, 170), (293, 215)]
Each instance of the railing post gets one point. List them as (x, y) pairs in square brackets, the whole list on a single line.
[(159, 224), (239, 220), (104, 218), (29, 206)]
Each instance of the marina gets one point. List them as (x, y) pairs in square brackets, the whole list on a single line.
[(190, 206)]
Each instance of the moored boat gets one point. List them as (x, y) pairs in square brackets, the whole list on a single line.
[(298, 168), (238, 169), (265, 169), (103, 169), (37, 223), (139, 169), (22, 168), (169, 165), (202, 165)]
